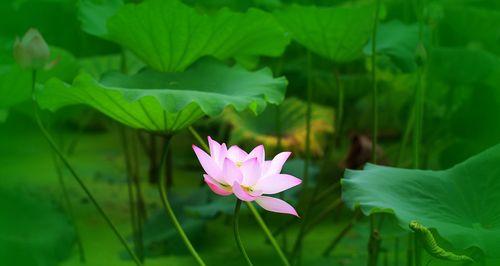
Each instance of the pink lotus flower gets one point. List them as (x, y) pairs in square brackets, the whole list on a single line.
[(248, 175)]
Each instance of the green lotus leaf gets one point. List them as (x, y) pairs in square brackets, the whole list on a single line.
[(101, 64), (399, 42), (167, 102), (169, 35), (15, 82), (460, 203), (336, 33), (262, 129), (93, 14)]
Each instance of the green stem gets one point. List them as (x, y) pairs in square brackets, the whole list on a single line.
[(141, 205), (409, 250), (341, 235), (374, 240), (268, 233), (374, 84), (255, 213), (279, 133), (297, 247), (305, 175), (66, 163), (279, 137), (320, 196), (406, 137), (396, 251), (168, 208), (418, 251), (131, 197), (140, 202), (326, 211), (419, 93), (340, 107), (199, 139), (69, 208), (237, 232)]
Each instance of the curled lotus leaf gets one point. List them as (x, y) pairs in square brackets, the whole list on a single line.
[(169, 35), (336, 33), (168, 102)]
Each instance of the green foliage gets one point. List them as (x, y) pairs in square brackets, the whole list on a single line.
[(399, 42), (470, 25), (57, 22), (168, 102), (169, 36), (15, 83), (161, 238), (462, 66), (162, 48), (336, 33), (220, 205), (3, 115), (465, 92), (94, 14), (33, 230), (460, 203)]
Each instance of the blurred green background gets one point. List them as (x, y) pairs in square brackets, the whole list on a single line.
[(459, 67)]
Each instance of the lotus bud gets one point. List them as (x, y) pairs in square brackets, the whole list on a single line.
[(31, 51)]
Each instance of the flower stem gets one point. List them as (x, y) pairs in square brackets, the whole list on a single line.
[(308, 125), (268, 233), (168, 208), (199, 139), (374, 84), (237, 232), (374, 240), (418, 251), (134, 215), (410, 249), (342, 234), (66, 163), (419, 91), (297, 247), (340, 107), (69, 208)]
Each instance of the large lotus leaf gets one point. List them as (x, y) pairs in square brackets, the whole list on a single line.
[(263, 129), (169, 36), (399, 42), (98, 65), (337, 33), (461, 203), (94, 14), (466, 93), (168, 102), (32, 230), (15, 82)]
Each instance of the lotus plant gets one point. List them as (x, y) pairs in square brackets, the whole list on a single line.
[(249, 176)]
